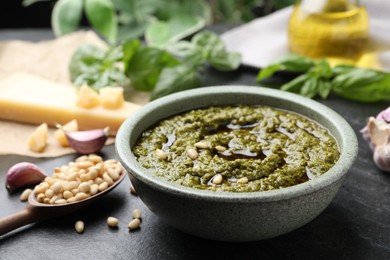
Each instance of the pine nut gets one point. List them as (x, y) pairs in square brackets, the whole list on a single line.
[(220, 148), (73, 176), (243, 180), (136, 213), (81, 196), (93, 174), (95, 158), (70, 200), (84, 165), (84, 177), (103, 186), (112, 222), (132, 190), (202, 145), (42, 187), (56, 187), (40, 197), (94, 189), (108, 179), (84, 187), (82, 158), (79, 226), (113, 173), (217, 179), (67, 194), (25, 194), (134, 224), (60, 201), (161, 154), (192, 153), (98, 180)]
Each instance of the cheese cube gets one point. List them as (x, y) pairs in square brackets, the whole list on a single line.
[(111, 97), (87, 97), (38, 139)]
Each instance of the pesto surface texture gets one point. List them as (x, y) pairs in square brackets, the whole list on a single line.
[(253, 148)]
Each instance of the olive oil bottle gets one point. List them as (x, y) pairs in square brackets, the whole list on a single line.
[(329, 29)]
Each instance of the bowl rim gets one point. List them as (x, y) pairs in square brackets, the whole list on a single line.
[(348, 147)]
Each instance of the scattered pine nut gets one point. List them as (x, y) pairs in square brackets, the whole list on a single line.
[(134, 224), (132, 190), (112, 222), (25, 194), (136, 213), (217, 179), (79, 226)]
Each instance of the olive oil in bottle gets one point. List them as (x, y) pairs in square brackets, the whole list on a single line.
[(329, 29)]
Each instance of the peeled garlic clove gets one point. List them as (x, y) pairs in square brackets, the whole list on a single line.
[(384, 117), (382, 157), (23, 174), (89, 141)]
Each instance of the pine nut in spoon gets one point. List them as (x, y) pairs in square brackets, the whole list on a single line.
[(36, 211)]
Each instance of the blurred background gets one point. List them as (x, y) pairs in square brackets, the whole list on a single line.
[(36, 13)]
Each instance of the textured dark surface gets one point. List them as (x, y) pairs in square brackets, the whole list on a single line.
[(355, 226)]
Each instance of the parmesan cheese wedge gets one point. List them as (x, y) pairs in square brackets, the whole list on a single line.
[(30, 99)]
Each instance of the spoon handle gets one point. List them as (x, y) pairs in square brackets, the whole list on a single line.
[(18, 219)]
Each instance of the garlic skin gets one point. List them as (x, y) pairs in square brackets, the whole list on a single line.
[(23, 174), (89, 141)]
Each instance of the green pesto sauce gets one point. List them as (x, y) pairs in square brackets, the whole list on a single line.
[(272, 148)]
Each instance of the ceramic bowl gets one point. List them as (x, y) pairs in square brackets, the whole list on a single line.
[(229, 216)]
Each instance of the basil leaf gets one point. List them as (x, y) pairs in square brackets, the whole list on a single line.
[(66, 16), (183, 49), (208, 42), (101, 15), (146, 65), (374, 91), (296, 63), (268, 71), (292, 62), (310, 87), (321, 70), (97, 68), (213, 50), (296, 84), (324, 88), (183, 24), (129, 49), (357, 77), (224, 61), (158, 34), (175, 79)]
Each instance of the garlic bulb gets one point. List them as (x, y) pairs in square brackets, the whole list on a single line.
[(378, 134)]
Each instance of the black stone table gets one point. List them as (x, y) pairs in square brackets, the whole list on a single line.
[(356, 225)]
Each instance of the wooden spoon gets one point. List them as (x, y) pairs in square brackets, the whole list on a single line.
[(37, 212)]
